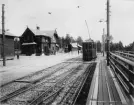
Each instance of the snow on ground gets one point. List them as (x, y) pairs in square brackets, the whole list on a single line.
[(28, 64)]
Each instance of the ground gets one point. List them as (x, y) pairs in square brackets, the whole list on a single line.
[(27, 64)]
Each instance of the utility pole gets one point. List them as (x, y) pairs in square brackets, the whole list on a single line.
[(108, 31), (3, 34), (103, 42)]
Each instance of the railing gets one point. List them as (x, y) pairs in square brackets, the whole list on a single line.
[(129, 52), (124, 72), (126, 55)]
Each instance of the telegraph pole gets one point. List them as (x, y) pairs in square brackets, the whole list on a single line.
[(108, 31), (103, 42), (3, 34)]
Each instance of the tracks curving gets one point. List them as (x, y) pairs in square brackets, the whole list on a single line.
[(21, 85), (61, 84)]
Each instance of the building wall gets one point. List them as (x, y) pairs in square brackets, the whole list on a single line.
[(41, 45), (9, 47), (53, 44), (45, 45), (27, 37), (39, 48), (53, 48)]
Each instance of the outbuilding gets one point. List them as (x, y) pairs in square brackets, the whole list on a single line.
[(9, 49), (76, 46)]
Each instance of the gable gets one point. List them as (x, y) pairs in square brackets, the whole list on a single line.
[(36, 32), (27, 36), (27, 32)]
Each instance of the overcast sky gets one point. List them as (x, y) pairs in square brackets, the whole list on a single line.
[(67, 18)]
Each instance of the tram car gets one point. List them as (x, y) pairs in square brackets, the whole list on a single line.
[(89, 50)]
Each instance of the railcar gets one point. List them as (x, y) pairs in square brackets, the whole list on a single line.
[(89, 50)]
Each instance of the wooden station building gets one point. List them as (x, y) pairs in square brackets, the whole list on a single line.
[(35, 41)]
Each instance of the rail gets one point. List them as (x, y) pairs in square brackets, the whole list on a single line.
[(124, 72), (53, 90), (126, 55), (130, 52)]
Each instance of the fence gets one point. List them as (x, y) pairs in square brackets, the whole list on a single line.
[(124, 72)]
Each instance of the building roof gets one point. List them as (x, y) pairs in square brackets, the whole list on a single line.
[(89, 40), (7, 33), (49, 33), (75, 45), (39, 32)]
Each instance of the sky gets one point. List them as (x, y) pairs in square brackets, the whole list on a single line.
[(67, 18)]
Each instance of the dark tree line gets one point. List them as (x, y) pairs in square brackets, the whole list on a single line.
[(119, 47), (116, 46), (98, 46), (68, 39), (64, 41), (129, 47)]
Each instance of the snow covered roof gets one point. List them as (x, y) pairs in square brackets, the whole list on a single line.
[(89, 40), (7, 33), (75, 45), (39, 32), (49, 33), (57, 45), (79, 45)]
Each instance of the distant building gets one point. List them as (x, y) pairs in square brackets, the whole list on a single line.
[(76, 46), (89, 40), (38, 42), (8, 44)]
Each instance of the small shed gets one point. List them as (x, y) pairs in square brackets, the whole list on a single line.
[(76, 46), (8, 45)]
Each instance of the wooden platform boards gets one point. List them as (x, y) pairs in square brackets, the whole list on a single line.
[(104, 88)]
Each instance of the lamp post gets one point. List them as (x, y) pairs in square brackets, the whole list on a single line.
[(96, 47), (103, 37), (103, 42), (16, 39), (108, 32)]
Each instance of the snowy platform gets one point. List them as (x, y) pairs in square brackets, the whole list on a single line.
[(28, 64)]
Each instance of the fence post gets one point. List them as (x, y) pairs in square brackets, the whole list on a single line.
[(130, 80)]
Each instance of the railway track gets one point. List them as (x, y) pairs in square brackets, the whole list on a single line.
[(75, 59), (20, 85), (76, 88), (56, 85), (34, 76), (65, 91)]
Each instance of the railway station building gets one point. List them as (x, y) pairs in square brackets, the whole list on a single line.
[(38, 42)]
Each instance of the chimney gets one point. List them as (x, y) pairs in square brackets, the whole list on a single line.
[(37, 27)]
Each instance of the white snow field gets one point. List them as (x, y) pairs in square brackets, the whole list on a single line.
[(28, 64)]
